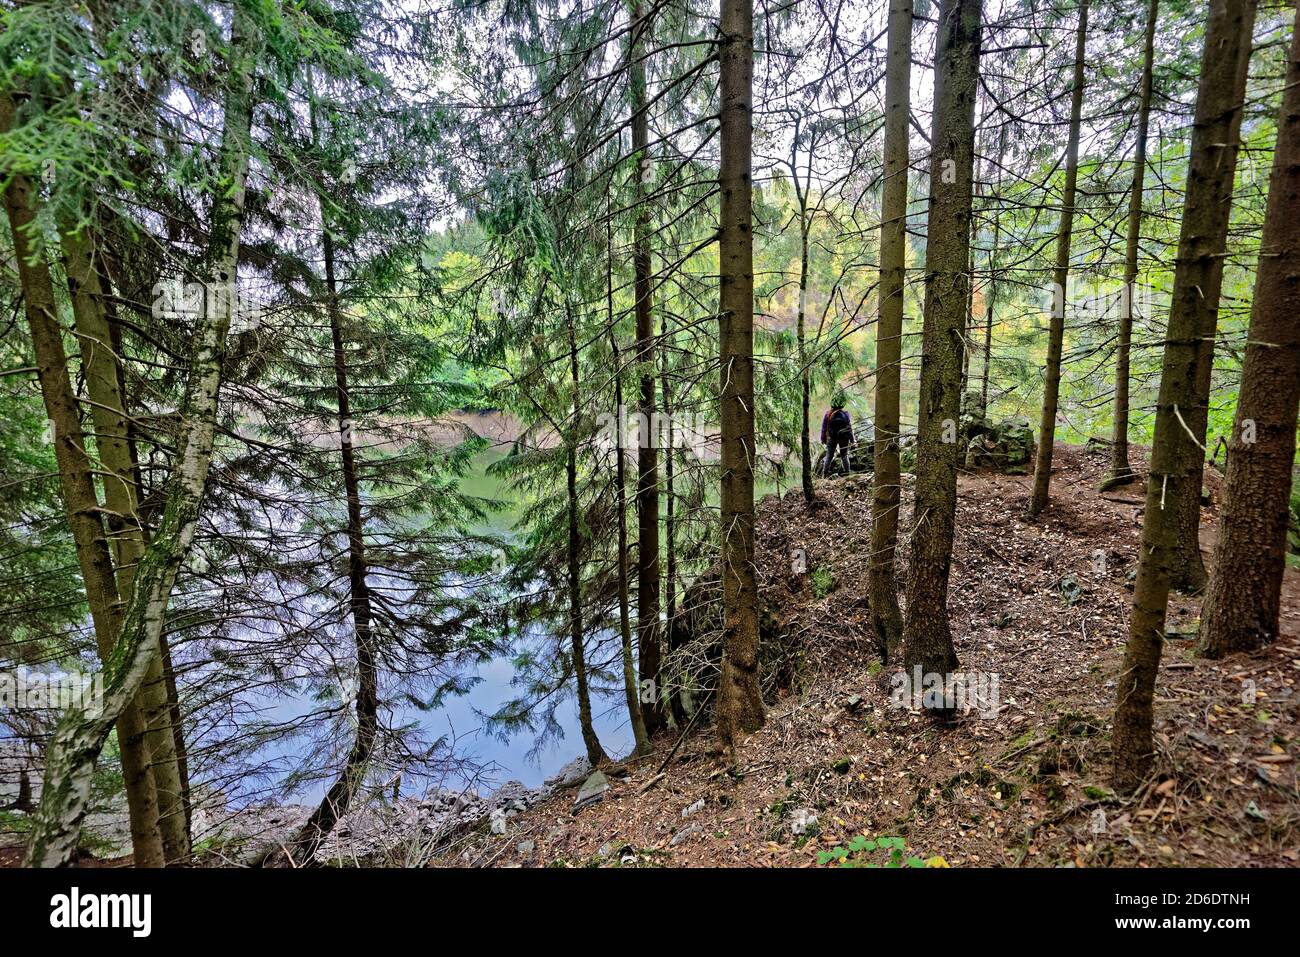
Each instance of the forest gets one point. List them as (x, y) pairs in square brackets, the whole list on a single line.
[(594, 434)]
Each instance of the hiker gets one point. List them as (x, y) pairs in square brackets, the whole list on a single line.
[(837, 435)]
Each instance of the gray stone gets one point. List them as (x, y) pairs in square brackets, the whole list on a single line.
[(684, 833), (526, 847), (592, 790), (572, 774)]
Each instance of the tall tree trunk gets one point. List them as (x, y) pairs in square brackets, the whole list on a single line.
[(1060, 279), (805, 372), (886, 619), (81, 504), (678, 696), (1120, 470), (991, 297), (302, 849), (595, 753), (1173, 466), (801, 337), (968, 321), (647, 484), (169, 672), (116, 342), (1188, 573), (1242, 603), (100, 365), (122, 88), (620, 486), (927, 636), (740, 699), (77, 742)]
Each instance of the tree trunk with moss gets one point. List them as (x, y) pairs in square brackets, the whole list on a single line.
[(1060, 280), (1120, 469), (79, 738), (81, 503), (1204, 264), (886, 619), (630, 689), (595, 753), (1243, 601), (100, 361), (1174, 467), (740, 699), (927, 636), (648, 629)]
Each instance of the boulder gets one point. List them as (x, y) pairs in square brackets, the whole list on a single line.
[(592, 790), (1005, 447), (572, 774), (972, 419), (862, 458)]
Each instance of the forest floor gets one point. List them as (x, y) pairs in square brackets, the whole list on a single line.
[(1025, 784)]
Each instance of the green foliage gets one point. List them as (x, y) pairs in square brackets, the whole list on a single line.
[(823, 581), (863, 851)]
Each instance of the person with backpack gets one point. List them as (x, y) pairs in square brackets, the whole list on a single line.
[(837, 434)]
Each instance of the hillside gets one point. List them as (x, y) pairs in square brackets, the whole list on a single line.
[(1024, 785)]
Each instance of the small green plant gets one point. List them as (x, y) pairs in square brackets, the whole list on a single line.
[(823, 582), (865, 851)]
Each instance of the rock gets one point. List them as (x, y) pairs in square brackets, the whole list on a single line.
[(592, 790), (802, 821), (1005, 447), (697, 806), (498, 821), (862, 454), (684, 833), (526, 847), (572, 774), (972, 417)]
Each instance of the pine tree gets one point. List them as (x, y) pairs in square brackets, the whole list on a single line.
[(740, 699), (1242, 602), (927, 635), (1174, 466)]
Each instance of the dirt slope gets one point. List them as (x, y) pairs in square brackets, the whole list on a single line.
[(1032, 602)]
